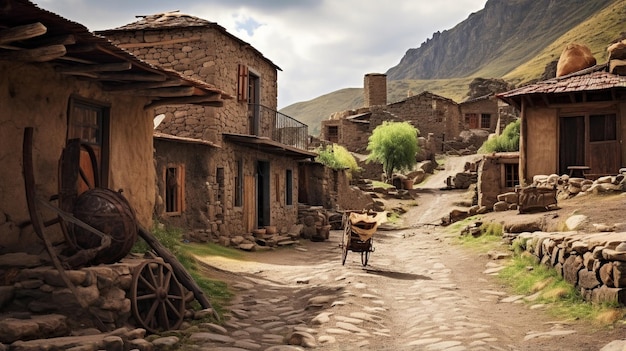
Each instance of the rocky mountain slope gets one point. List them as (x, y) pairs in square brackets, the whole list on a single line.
[(511, 39)]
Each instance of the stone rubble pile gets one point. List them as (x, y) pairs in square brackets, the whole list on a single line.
[(593, 262), (565, 187)]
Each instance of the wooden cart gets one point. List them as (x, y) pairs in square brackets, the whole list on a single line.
[(358, 229)]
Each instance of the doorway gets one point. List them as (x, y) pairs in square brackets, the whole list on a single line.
[(263, 193), (571, 142)]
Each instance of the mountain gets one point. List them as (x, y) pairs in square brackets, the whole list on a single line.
[(511, 39)]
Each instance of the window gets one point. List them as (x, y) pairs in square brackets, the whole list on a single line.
[(239, 184), (332, 134), (88, 121), (511, 175), (288, 188), (485, 121), (602, 127), (174, 189)]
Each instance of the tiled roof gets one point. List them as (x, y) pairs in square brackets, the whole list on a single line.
[(172, 19), (594, 78)]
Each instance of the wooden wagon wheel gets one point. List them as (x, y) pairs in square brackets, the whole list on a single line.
[(157, 298)]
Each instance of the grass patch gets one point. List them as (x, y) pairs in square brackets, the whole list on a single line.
[(379, 184), (527, 277), (216, 291)]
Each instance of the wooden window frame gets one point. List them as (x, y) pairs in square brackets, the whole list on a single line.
[(179, 192), (508, 181), (485, 117), (103, 141)]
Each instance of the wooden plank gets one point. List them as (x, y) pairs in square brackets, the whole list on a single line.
[(42, 54), (249, 203), (207, 100), (24, 32), (106, 67), (139, 86), (166, 92), (136, 77)]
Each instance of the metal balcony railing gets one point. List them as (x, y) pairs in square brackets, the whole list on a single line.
[(278, 127)]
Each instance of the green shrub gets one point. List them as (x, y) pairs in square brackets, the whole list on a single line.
[(394, 145), (508, 141), (337, 157)]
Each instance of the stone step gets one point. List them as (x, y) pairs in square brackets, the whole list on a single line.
[(117, 340), (25, 326)]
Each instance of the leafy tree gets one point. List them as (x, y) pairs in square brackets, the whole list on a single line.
[(337, 157), (508, 141), (394, 144)]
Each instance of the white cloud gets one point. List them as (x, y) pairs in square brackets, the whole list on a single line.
[(321, 45)]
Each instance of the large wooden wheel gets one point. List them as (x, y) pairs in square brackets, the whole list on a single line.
[(157, 298)]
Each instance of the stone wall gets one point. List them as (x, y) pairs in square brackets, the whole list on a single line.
[(213, 56), (375, 89), (593, 262), (479, 107), (429, 113)]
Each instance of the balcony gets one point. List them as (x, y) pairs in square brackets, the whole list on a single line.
[(269, 123)]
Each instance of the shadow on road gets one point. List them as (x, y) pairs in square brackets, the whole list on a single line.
[(396, 275)]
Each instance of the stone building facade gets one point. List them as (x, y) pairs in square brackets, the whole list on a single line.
[(497, 174), (240, 171)]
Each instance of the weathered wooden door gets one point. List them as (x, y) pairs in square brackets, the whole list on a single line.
[(249, 203), (604, 152), (571, 142)]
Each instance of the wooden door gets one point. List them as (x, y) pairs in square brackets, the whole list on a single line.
[(604, 152), (249, 201), (571, 143)]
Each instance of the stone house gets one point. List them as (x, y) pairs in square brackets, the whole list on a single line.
[(574, 122), (428, 112), (222, 171), (487, 113)]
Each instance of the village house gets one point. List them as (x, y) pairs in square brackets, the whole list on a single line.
[(227, 171), (447, 125), (76, 123), (573, 124)]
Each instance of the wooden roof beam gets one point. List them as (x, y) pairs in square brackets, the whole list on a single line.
[(207, 100), (105, 67), (166, 92), (42, 54), (139, 86), (23, 32), (129, 76)]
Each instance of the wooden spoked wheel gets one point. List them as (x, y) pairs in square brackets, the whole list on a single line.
[(345, 241), (157, 298)]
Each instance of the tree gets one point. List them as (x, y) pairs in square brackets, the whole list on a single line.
[(508, 141), (394, 144), (337, 157)]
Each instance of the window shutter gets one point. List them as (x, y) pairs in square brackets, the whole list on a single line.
[(242, 86)]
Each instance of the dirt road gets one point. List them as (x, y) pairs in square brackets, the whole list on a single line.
[(420, 291)]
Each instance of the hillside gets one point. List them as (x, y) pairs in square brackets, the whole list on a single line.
[(510, 39)]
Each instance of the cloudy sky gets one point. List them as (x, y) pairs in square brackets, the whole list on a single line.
[(320, 45)]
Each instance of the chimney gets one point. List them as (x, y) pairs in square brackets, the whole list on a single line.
[(375, 86)]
